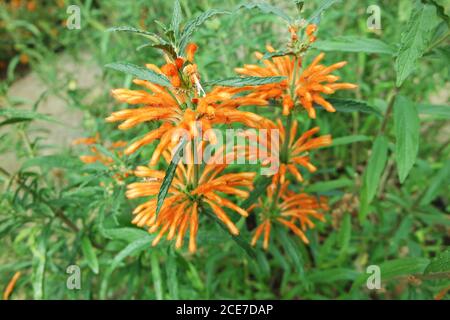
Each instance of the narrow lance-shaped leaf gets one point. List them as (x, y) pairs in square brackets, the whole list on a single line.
[(170, 173), (140, 73), (193, 24), (415, 40), (315, 16), (260, 187), (354, 44), (89, 254), (266, 8), (406, 121), (238, 239), (349, 105), (149, 35), (176, 18), (245, 81), (372, 175)]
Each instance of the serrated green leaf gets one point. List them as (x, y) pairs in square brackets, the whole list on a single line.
[(354, 44), (436, 183), (170, 173), (372, 174), (349, 140), (406, 121), (266, 8), (149, 35), (53, 161), (193, 24), (13, 115), (315, 16), (415, 40), (435, 111), (176, 18), (402, 267), (244, 81), (269, 55), (89, 254), (441, 263), (126, 234), (349, 105), (140, 73)]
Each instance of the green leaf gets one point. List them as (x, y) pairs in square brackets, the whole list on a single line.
[(156, 275), (149, 35), (193, 24), (349, 105), (176, 18), (53, 161), (265, 8), (436, 111), (261, 185), (140, 73), (89, 254), (134, 247), (269, 55), (329, 185), (14, 115), (345, 234), (292, 250), (315, 16), (170, 173), (244, 81), (402, 267), (354, 44), (332, 275), (171, 270), (39, 250), (406, 121), (441, 263), (436, 183), (415, 40), (126, 234), (238, 239), (349, 140), (372, 175)]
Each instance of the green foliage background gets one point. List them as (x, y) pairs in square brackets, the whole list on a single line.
[(389, 207)]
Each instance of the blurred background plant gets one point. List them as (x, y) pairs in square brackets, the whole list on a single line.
[(56, 211)]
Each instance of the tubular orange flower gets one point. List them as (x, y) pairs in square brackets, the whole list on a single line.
[(177, 111), (297, 150), (10, 287), (98, 156), (309, 85), (291, 210), (180, 210)]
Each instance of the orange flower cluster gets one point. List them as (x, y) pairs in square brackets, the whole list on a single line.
[(179, 112), (300, 88), (180, 210), (287, 208), (303, 87), (184, 106)]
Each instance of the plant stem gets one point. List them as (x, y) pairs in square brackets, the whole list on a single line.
[(388, 110)]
